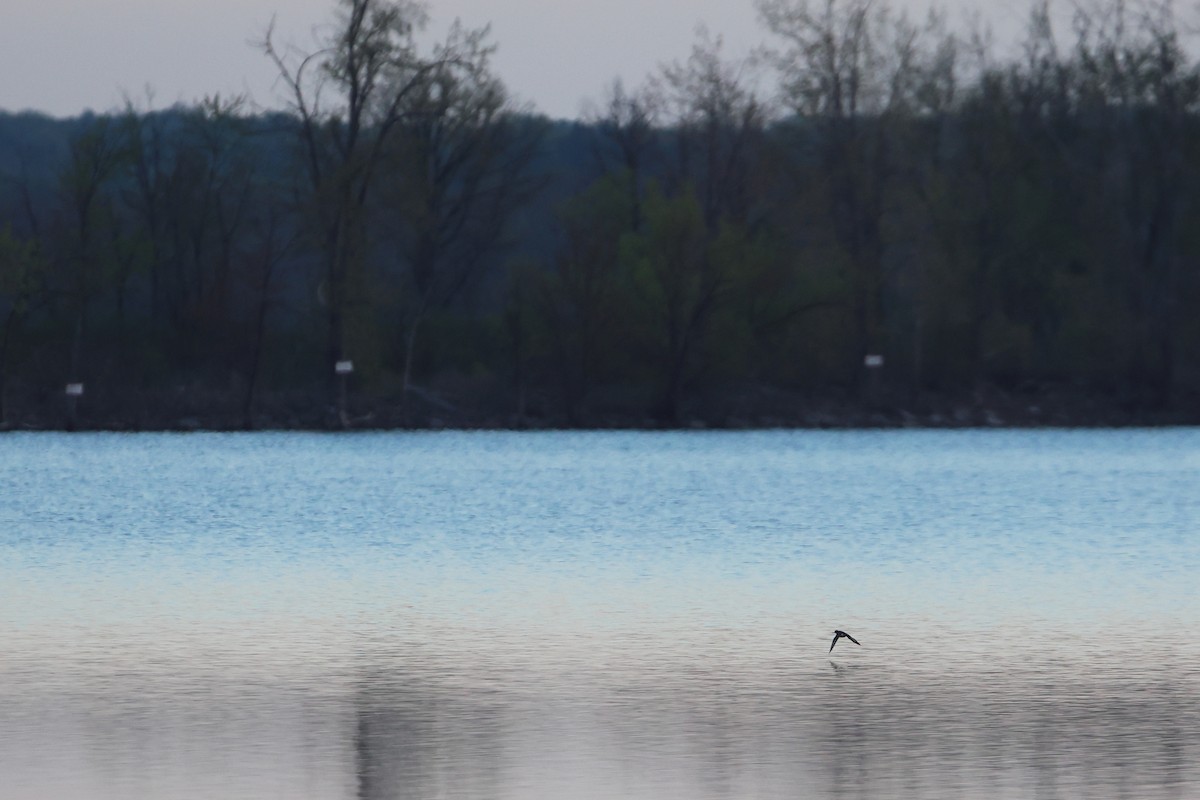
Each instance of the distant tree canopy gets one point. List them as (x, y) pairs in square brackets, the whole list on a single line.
[(725, 244)]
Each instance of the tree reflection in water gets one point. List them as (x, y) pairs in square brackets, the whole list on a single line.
[(770, 729)]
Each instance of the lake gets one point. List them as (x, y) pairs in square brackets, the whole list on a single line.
[(600, 615)]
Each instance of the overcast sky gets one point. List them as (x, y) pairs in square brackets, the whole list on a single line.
[(66, 56)]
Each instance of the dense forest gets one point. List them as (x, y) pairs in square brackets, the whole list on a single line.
[(874, 221)]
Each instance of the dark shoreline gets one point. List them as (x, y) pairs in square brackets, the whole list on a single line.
[(763, 409)]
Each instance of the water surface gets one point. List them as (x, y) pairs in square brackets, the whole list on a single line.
[(600, 615)]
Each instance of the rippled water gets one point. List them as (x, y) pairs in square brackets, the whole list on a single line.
[(600, 615)]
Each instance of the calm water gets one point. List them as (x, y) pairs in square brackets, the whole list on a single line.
[(606, 615)]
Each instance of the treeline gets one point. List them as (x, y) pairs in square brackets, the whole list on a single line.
[(875, 220)]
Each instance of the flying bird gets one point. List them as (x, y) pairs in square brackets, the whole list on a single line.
[(838, 635)]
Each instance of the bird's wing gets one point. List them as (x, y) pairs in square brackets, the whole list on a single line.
[(831, 644), (851, 638)]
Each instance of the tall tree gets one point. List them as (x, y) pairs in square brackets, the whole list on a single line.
[(457, 168), (1139, 97), (349, 96), (627, 124), (848, 71), (96, 156), (717, 125)]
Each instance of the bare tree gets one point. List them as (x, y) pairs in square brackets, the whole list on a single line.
[(1137, 91), (147, 194), (349, 95), (96, 155), (718, 125), (456, 169), (850, 69), (695, 239), (627, 123)]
